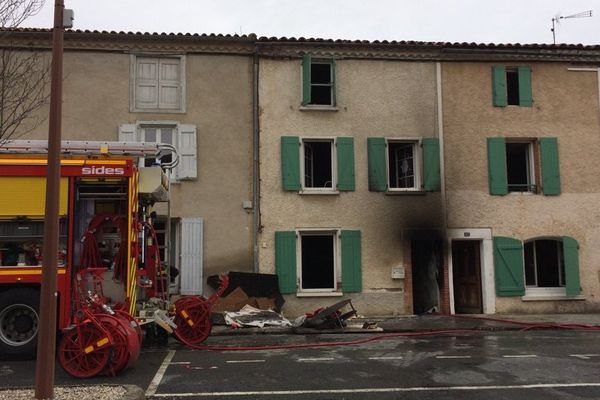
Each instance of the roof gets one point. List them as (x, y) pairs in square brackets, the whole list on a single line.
[(292, 46)]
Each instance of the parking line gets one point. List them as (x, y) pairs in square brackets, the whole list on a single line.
[(153, 386), (316, 359), (452, 357), (180, 363), (244, 361), (386, 358), (519, 356), (584, 356)]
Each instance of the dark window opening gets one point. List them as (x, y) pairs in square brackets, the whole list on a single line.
[(518, 171), (512, 87), (321, 83), (544, 263), (401, 165), (317, 262), (317, 164)]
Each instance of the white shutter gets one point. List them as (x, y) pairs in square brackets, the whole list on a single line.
[(187, 148), (128, 133), (191, 256), (146, 83), (169, 84)]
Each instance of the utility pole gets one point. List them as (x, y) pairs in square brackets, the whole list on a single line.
[(46, 349)]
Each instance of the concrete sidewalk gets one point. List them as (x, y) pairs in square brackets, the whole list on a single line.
[(436, 322)]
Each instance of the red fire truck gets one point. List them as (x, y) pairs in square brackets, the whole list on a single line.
[(108, 252)]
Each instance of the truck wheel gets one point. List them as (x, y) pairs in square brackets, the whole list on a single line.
[(19, 323)]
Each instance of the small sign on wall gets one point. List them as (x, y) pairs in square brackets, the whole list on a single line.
[(398, 272)]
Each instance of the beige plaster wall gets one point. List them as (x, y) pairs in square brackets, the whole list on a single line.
[(96, 102), (565, 106), (375, 98)]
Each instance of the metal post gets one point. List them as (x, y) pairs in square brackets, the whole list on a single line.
[(44, 374)]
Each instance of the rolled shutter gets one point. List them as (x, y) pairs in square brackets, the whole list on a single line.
[(431, 164), (498, 181), (508, 263), (285, 261), (128, 133), (499, 86), (290, 163), (525, 97), (345, 163), (377, 165), (550, 166), (187, 149), (191, 256), (306, 80), (571, 254), (351, 261)]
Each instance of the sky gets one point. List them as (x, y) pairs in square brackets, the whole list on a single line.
[(480, 21)]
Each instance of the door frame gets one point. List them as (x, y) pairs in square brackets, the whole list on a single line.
[(484, 236)]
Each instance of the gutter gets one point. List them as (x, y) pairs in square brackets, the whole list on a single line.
[(255, 163)]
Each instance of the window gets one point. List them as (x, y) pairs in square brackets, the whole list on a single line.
[(317, 165), (511, 86), (182, 136), (539, 268), (398, 165), (544, 263), (519, 165), (158, 84), (316, 261), (318, 82)]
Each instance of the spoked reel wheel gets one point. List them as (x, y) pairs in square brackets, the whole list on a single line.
[(84, 351), (125, 344), (132, 322), (193, 319)]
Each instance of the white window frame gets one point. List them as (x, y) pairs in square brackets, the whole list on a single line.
[(133, 104), (337, 268), (417, 161), (334, 179), (534, 290), (531, 177), (158, 125), (331, 84)]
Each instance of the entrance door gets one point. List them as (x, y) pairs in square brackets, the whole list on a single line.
[(466, 271)]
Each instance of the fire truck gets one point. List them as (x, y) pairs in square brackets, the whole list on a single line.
[(110, 280)]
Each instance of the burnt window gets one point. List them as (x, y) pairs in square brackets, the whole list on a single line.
[(402, 165), (512, 87), (318, 261), (318, 164)]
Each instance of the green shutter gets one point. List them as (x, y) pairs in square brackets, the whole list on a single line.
[(285, 261), (508, 263), (345, 163), (550, 166), (290, 163), (351, 261), (306, 80), (333, 96), (571, 254), (499, 86), (377, 166), (525, 97), (431, 164), (498, 181)]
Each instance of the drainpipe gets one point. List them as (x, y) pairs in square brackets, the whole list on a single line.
[(255, 162), (440, 126)]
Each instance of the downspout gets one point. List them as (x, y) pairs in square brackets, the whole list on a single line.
[(440, 126), (255, 162)]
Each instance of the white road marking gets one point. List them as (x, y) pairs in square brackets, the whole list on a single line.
[(452, 357), (244, 361), (180, 363), (584, 356), (519, 356), (386, 358), (316, 359), (153, 386), (380, 390)]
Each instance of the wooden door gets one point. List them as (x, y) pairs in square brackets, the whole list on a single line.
[(466, 270)]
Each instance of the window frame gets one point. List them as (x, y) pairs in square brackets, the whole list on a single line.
[(133, 103), (532, 166), (309, 105), (535, 290), (417, 164), (334, 172), (337, 259)]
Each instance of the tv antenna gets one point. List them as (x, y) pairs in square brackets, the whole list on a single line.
[(583, 14)]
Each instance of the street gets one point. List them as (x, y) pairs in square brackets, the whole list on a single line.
[(503, 365)]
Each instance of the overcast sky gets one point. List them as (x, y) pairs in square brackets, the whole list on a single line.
[(481, 21)]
